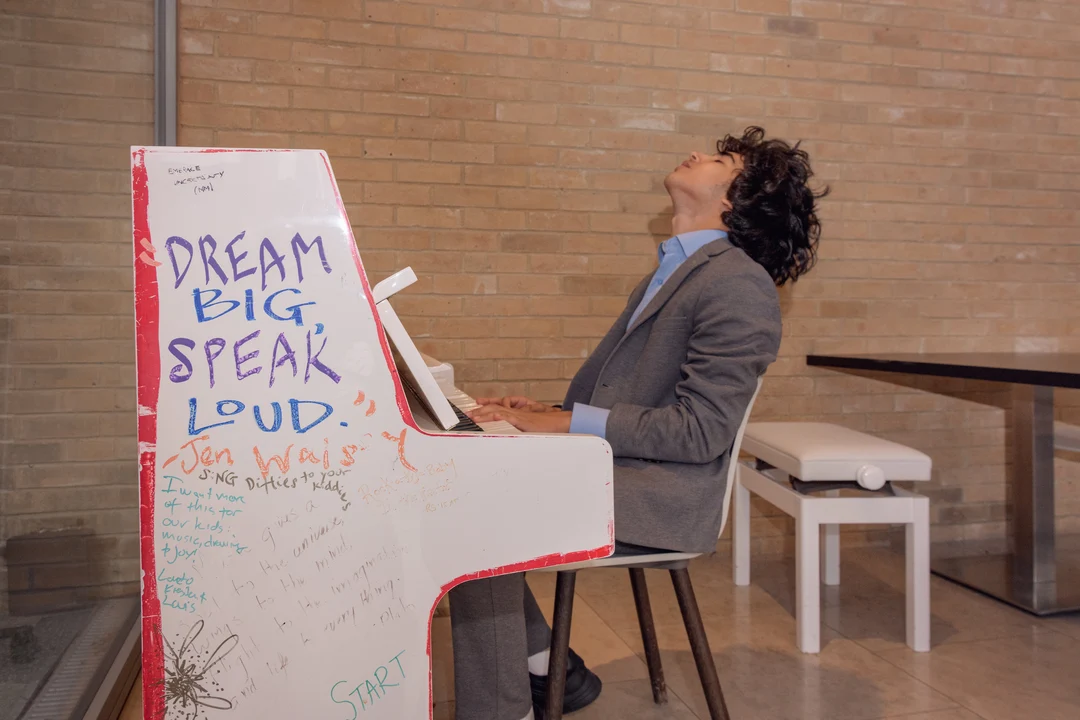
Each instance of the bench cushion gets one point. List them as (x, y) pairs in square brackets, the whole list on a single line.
[(826, 452)]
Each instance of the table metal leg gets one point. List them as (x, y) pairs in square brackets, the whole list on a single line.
[(1038, 575), (1033, 484)]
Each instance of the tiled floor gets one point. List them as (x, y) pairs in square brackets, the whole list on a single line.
[(988, 661)]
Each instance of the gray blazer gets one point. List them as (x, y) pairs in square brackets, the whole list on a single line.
[(677, 383)]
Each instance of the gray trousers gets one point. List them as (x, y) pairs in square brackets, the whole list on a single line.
[(496, 625)]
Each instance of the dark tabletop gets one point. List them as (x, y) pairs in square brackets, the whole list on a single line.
[(1055, 369)]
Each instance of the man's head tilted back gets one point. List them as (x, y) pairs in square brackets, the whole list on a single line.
[(756, 190)]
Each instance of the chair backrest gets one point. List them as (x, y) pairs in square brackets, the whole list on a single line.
[(733, 464)]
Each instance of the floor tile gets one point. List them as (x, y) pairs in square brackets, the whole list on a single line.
[(953, 714), (133, 709), (1068, 624), (614, 595), (1031, 676), (869, 604), (633, 699), (765, 676), (442, 660), (989, 661)]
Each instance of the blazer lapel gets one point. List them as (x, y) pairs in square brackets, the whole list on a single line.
[(677, 278)]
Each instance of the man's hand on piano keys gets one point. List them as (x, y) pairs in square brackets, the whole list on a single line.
[(517, 402), (537, 421)]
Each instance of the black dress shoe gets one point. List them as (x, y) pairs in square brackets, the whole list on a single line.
[(582, 687)]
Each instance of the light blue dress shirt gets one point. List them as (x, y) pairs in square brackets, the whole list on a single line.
[(673, 252)]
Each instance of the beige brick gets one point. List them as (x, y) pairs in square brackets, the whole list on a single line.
[(416, 306), (776, 7), (428, 173), (451, 196), (528, 25), (622, 54), (430, 128), (463, 108), (289, 73), (220, 20), (320, 99), (326, 54), (487, 219), (248, 94), (589, 30), (561, 49), (414, 83), (495, 349), (396, 12), (289, 26), (213, 68), (329, 8), (248, 46), (460, 152), (571, 137), (396, 104), (431, 38), (497, 44), (361, 33), (479, 131), (395, 59), (532, 199), (495, 175), (428, 217)]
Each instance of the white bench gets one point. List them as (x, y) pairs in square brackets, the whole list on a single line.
[(794, 459)]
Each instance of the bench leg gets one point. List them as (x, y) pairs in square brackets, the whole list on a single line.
[(740, 535), (917, 553), (830, 551), (807, 582)]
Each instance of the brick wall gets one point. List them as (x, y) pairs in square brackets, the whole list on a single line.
[(76, 89), (512, 152)]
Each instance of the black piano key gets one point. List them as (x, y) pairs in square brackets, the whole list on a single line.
[(466, 424)]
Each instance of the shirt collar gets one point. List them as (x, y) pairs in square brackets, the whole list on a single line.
[(689, 242)]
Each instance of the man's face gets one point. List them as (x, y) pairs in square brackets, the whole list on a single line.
[(704, 179)]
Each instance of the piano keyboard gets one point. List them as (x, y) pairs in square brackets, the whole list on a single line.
[(464, 403), (465, 423)]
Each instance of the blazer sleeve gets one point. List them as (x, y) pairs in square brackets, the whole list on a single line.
[(736, 336)]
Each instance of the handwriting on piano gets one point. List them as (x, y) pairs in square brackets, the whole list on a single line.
[(257, 326)]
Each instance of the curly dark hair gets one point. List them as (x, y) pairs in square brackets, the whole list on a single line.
[(773, 216)]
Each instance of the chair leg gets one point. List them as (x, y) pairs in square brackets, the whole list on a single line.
[(560, 643), (740, 534), (699, 645), (807, 583), (917, 552), (648, 635)]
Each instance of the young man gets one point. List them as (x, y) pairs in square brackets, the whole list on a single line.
[(667, 387)]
